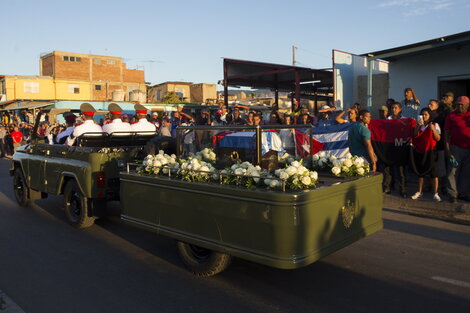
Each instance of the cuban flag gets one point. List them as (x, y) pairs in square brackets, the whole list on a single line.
[(270, 140), (334, 138)]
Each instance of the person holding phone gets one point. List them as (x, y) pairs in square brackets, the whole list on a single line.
[(423, 162)]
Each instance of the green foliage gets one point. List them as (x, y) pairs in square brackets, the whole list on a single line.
[(171, 97)]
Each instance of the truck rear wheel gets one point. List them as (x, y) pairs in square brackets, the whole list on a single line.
[(203, 262), (77, 206), (20, 188)]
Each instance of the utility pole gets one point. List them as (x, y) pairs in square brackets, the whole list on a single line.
[(294, 48)]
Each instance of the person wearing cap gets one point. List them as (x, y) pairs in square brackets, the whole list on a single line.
[(69, 122), (88, 126), (458, 149), (383, 112), (324, 119), (447, 102), (116, 125), (142, 123)]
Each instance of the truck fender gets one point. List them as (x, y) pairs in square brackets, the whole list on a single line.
[(64, 177), (32, 194)]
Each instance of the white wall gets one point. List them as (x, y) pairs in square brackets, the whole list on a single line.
[(421, 72)]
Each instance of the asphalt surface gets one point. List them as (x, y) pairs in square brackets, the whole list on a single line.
[(414, 264)]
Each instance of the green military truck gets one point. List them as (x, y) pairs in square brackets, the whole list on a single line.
[(86, 174)]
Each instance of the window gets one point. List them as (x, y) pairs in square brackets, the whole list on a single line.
[(97, 61), (31, 87), (97, 87), (71, 59), (111, 62), (74, 88)]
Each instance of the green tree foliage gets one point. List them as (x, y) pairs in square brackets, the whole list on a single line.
[(171, 97)]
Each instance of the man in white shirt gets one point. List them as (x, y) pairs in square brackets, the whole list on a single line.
[(69, 121), (88, 126), (142, 124), (116, 125)]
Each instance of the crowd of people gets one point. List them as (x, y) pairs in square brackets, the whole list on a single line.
[(440, 142)]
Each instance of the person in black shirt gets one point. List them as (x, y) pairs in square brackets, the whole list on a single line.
[(236, 118)]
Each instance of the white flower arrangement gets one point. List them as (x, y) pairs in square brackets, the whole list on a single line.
[(296, 176), (350, 166), (207, 155), (196, 169)]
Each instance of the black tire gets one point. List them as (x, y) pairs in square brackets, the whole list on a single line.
[(77, 206), (20, 189), (202, 262)]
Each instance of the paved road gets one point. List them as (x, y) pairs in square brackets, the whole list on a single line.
[(413, 265)]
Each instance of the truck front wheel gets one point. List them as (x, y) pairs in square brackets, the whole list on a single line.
[(202, 262), (20, 188), (77, 206)]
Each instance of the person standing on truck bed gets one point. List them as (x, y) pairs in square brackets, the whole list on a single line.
[(88, 126), (116, 125), (142, 124), (69, 121)]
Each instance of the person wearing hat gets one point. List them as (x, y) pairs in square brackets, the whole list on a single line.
[(69, 122), (142, 123), (383, 112), (116, 125), (88, 126), (447, 102), (457, 136)]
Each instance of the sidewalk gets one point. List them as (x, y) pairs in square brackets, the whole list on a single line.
[(456, 213)]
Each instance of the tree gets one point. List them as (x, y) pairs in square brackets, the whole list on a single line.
[(171, 97)]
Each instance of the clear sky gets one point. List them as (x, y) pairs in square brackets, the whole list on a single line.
[(186, 40)]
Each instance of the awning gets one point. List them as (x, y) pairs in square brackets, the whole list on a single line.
[(22, 106)]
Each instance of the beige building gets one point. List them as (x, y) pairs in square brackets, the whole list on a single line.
[(203, 93)]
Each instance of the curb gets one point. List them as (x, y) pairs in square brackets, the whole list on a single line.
[(455, 213)]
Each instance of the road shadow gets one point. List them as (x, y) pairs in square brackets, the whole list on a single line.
[(431, 232)]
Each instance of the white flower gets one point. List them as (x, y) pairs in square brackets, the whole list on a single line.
[(204, 168), (295, 164), (345, 169), (196, 166), (267, 181), (332, 157), (314, 175), (165, 170), (323, 161), (306, 180), (295, 181), (277, 172), (322, 154), (215, 177), (315, 157), (157, 163), (359, 162), (258, 168), (336, 170), (240, 171), (273, 183), (173, 156), (176, 166), (283, 175), (348, 156), (360, 171), (337, 163), (189, 167), (291, 170), (234, 167), (348, 163), (301, 170), (161, 152)]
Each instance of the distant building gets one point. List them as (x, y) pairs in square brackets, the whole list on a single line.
[(105, 74), (203, 93), (75, 76), (431, 67)]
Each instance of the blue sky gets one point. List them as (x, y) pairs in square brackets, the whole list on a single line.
[(186, 40)]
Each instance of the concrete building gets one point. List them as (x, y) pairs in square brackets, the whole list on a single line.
[(104, 74), (203, 93), (156, 93), (431, 67)]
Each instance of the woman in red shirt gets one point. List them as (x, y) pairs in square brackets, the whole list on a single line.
[(423, 160)]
